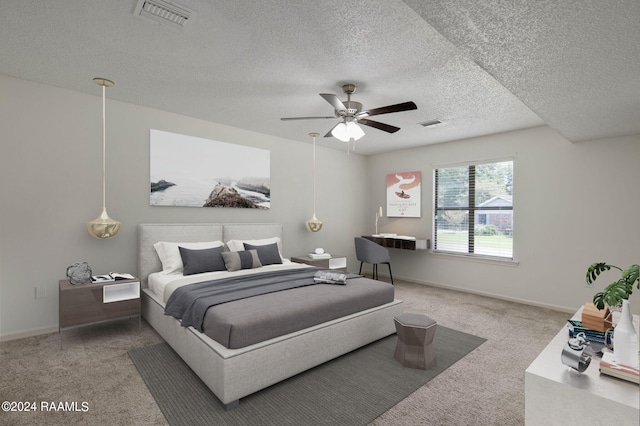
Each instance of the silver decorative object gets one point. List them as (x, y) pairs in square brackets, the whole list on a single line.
[(577, 353), (79, 273)]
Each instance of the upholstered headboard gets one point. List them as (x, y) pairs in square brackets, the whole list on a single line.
[(151, 233)]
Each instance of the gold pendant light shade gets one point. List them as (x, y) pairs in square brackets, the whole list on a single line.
[(103, 226), (313, 224)]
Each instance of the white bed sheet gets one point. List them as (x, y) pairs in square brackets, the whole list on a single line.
[(163, 285)]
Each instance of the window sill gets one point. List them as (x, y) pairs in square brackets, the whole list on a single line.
[(477, 259)]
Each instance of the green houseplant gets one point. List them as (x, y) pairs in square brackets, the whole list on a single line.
[(617, 291)]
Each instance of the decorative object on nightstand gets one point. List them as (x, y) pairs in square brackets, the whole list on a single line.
[(79, 273), (103, 226), (625, 336), (319, 253), (314, 225)]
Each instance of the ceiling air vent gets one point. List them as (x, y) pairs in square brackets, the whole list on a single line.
[(430, 123), (164, 13)]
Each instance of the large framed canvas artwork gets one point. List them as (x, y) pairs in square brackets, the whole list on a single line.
[(403, 194), (196, 172)]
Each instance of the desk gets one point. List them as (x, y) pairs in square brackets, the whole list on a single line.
[(557, 395), (399, 243)]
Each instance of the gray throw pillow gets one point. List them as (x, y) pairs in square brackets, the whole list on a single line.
[(236, 260), (268, 254), (202, 260)]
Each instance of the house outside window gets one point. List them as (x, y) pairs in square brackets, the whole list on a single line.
[(473, 209)]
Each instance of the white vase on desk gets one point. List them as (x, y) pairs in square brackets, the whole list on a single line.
[(625, 339)]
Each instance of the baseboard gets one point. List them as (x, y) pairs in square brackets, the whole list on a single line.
[(570, 310), (27, 333)]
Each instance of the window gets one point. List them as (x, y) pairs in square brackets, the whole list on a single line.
[(473, 209)]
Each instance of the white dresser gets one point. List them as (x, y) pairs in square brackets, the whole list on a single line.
[(557, 395)]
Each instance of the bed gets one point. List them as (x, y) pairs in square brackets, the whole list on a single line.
[(234, 372)]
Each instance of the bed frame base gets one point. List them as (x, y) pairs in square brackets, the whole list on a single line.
[(232, 374)]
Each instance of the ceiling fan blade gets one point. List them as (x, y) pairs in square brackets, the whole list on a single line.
[(329, 135), (306, 118), (405, 106), (380, 126), (334, 101)]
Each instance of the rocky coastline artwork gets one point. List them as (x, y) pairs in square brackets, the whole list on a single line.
[(160, 185), (193, 172), (225, 196)]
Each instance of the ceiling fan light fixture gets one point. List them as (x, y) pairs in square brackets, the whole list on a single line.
[(340, 132), (348, 131), (354, 131), (351, 116)]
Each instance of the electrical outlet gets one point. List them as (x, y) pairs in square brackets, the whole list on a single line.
[(41, 292)]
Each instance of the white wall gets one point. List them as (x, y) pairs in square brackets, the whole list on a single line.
[(51, 180), (575, 204), (50, 185)]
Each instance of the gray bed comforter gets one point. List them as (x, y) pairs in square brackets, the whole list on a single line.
[(190, 303), (250, 320)]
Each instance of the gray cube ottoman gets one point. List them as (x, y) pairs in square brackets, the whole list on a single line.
[(415, 337)]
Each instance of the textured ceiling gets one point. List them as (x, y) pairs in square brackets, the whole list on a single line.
[(481, 67)]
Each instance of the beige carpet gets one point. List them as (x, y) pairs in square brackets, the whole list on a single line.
[(353, 389), (485, 387)]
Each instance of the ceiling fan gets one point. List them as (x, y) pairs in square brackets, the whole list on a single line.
[(351, 114)]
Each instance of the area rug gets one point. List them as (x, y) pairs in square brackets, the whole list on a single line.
[(353, 389)]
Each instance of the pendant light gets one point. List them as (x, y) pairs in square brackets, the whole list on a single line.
[(314, 225), (103, 226)]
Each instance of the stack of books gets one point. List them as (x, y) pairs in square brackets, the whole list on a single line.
[(591, 335), (610, 367)]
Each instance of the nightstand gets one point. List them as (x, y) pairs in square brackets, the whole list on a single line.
[(89, 303), (335, 262)]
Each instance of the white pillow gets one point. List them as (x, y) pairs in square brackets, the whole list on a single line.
[(238, 245), (169, 254)]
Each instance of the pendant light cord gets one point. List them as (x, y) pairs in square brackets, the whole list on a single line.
[(104, 148), (314, 176)]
